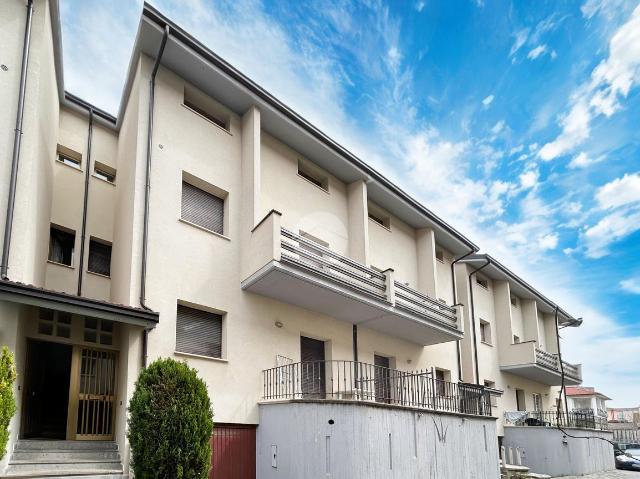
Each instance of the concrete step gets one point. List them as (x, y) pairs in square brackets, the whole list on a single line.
[(63, 469), (52, 445), (79, 474), (83, 455)]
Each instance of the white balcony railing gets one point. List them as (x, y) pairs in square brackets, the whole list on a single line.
[(309, 254), (417, 302), (551, 361)]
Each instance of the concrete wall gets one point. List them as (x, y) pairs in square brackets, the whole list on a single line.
[(366, 442), (549, 451)]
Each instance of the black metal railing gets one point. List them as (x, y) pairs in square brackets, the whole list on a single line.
[(358, 381), (585, 420)]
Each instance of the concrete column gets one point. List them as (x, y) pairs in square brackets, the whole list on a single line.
[(530, 321), (251, 167), (358, 222), (427, 273), (466, 344), (502, 307), (391, 287)]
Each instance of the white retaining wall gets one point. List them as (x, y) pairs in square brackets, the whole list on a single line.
[(296, 440)]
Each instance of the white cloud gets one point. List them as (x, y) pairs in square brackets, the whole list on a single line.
[(420, 6), (610, 81), (536, 52), (619, 192), (498, 127), (631, 285), (488, 100), (548, 241), (581, 160), (516, 149), (529, 179), (520, 39), (610, 229)]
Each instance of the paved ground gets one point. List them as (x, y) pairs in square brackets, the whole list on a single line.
[(609, 475)]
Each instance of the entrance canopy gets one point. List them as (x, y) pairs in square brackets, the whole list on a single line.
[(34, 296)]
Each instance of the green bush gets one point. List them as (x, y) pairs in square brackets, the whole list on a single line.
[(170, 423), (7, 401)]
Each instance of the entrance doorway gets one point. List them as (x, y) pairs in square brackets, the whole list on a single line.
[(313, 380), (46, 394)]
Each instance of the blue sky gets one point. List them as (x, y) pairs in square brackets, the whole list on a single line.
[(517, 122)]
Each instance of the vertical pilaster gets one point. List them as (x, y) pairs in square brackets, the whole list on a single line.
[(251, 167), (426, 251), (358, 222), (530, 321)]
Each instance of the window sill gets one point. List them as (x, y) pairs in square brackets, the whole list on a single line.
[(98, 274), (199, 356), (75, 168), (381, 226), (202, 228), (313, 184), (208, 121), (104, 181), (60, 264), (487, 344)]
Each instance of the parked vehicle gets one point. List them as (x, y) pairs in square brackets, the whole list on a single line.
[(629, 459)]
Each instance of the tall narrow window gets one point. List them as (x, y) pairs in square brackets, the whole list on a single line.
[(99, 257), (198, 332), (537, 402), (61, 245), (485, 332), (202, 208)]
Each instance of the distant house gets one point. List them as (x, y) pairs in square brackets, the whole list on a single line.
[(587, 400)]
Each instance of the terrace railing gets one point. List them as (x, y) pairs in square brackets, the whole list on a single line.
[(551, 361), (358, 381), (585, 420)]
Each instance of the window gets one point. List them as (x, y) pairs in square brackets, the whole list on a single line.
[(104, 172), (482, 282), (514, 300), (442, 376), (378, 219), (205, 107), (99, 257), (198, 332), (61, 244), (520, 401), (313, 174), (516, 339), (378, 215), (440, 255), (485, 332), (69, 157), (54, 323), (202, 208), (99, 331), (537, 402)]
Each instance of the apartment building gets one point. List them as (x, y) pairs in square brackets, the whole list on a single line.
[(341, 327)]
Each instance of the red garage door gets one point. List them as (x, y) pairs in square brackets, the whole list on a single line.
[(234, 451)]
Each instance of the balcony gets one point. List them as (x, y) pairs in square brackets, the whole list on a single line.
[(293, 269), (528, 361), (574, 419), (363, 383)]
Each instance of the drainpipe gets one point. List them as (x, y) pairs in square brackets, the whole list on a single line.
[(473, 319), (86, 201), (455, 303), (145, 232), (4, 266)]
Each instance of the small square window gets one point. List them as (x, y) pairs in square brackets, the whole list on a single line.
[(69, 157), (54, 323), (104, 172), (516, 339), (98, 331), (440, 255), (514, 300), (198, 332), (313, 174), (61, 245), (99, 257), (202, 208), (482, 282), (485, 331)]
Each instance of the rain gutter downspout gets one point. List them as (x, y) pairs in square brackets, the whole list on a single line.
[(473, 319), (563, 391), (17, 139), (145, 231), (86, 201), (455, 303)]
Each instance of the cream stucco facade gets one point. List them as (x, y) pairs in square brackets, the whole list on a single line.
[(276, 176)]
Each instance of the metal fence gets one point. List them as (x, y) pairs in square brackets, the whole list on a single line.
[(358, 381), (625, 435), (554, 419)]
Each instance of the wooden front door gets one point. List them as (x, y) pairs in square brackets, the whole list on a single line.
[(92, 394)]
